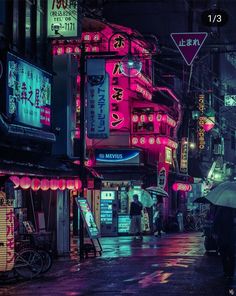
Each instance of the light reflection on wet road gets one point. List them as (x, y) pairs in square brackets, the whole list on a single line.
[(172, 265)]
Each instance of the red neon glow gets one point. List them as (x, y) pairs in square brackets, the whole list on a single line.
[(119, 43), (181, 187), (117, 120), (25, 182), (54, 184), (144, 80), (70, 184), (207, 123), (167, 119), (78, 184), (165, 141), (15, 180), (119, 96), (62, 184), (138, 88), (45, 184), (35, 185)]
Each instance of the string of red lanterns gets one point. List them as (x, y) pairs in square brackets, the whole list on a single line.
[(45, 184)]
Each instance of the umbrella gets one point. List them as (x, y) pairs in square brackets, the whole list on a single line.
[(144, 196), (157, 191), (202, 200), (223, 195)]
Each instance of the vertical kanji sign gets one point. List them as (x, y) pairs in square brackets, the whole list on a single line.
[(189, 44)]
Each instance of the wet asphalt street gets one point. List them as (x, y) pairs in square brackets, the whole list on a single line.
[(173, 265)]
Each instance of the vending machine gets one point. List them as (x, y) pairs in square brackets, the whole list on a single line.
[(109, 213)]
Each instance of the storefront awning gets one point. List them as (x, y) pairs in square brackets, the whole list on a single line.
[(45, 166)]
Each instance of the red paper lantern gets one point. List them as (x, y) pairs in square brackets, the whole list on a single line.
[(70, 184), (78, 184), (54, 184), (62, 184), (45, 184), (35, 184), (15, 180), (25, 183)]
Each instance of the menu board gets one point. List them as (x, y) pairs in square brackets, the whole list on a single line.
[(88, 218)]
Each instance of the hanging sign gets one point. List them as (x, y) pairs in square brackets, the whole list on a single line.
[(184, 156), (6, 238), (189, 44), (88, 218), (97, 100), (63, 19)]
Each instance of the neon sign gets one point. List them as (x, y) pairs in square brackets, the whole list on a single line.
[(181, 187), (138, 88), (201, 121), (165, 141)]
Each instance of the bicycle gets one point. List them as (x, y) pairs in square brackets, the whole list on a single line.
[(28, 263), (43, 248)]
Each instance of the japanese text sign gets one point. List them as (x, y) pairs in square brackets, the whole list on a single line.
[(97, 100), (6, 238), (28, 93), (88, 218), (63, 18), (189, 44)]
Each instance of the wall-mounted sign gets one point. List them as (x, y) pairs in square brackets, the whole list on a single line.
[(88, 217), (184, 156), (63, 19), (201, 121), (230, 100), (168, 155), (161, 180), (6, 238), (97, 100), (28, 93), (112, 156)]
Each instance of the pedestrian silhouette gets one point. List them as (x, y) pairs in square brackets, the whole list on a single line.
[(223, 228)]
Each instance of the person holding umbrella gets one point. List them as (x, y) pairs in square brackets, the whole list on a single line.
[(223, 228), (223, 196)]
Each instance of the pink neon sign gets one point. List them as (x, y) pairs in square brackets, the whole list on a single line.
[(166, 118), (138, 88), (119, 96), (151, 140), (181, 187)]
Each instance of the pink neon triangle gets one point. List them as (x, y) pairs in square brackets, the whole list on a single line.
[(189, 44)]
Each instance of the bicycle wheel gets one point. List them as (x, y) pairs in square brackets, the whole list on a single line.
[(28, 263), (47, 260)]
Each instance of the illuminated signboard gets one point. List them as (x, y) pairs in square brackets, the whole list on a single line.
[(97, 100), (168, 155), (28, 93), (119, 96), (184, 156), (230, 100), (88, 218), (201, 121), (6, 238), (63, 19), (119, 157)]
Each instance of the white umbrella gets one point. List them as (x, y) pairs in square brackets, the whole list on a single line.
[(157, 191), (144, 197), (223, 195)]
